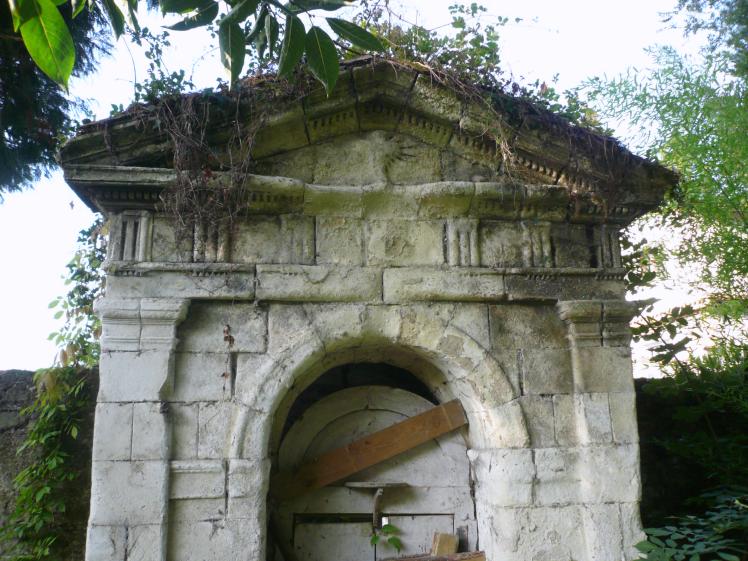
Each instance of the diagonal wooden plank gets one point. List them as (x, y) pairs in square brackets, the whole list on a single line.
[(370, 450)]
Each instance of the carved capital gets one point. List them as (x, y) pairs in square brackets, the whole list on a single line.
[(134, 324)]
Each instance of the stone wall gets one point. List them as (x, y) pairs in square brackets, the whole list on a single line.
[(17, 391)]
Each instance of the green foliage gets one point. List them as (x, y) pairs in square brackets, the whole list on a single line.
[(248, 22), (35, 528), (34, 111), (32, 529), (720, 534), (78, 338), (387, 536)]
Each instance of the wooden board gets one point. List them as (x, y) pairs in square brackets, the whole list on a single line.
[(468, 556), (368, 451)]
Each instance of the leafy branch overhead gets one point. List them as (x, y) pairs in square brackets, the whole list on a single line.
[(274, 28)]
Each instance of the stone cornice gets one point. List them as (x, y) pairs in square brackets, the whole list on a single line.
[(115, 188), (534, 146)]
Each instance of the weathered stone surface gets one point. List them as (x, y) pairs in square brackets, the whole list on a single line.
[(391, 228), (623, 417), (197, 479), (339, 240), (134, 376), (113, 431), (204, 328), (404, 242), (150, 430), (504, 478), (558, 479), (213, 426), (274, 239), (593, 418), (512, 326), (202, 376), (604, 369), (321, 283), (128, 492), (442, 285), (540, 422), (184, 430)]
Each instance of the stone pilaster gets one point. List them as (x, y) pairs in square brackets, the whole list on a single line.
[(130, 472)]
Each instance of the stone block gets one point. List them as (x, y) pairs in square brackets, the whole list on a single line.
[(190, 282), (113, 431), (631, 528), (197, 479), (150, 433), (472, 319), (546, 371), (145, 542), (539, 416), (193, 510), (593, 418), (337, 324), (552, 534), (184, 425), (414, 162), (544, 287), (558, 480), (167, 246), (503, 478), (202, 376), (216, 540), (128, 492), (339, 240), (332, 200), (321, 283), (106, 543), (383, 200), (404, 242), (602, 531), (603, 369), (502, 244), (213, 429), (510, 362), (623, 417), (446, 199), (496, 427), (203, 330), (274, 239), (610, 473), (382, 321), (134, 376), (571, 244), (526, 326), (565, 420), (248, 486), (445, 285)]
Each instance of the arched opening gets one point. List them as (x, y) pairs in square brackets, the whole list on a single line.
[(419, 492)]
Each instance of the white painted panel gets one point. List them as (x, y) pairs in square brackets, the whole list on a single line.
[(416, 533)]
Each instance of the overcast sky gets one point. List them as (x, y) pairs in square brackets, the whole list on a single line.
[(574, 39)]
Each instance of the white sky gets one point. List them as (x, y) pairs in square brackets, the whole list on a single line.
[(575, 39)]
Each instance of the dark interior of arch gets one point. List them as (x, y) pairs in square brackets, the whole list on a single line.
[(351, 376)]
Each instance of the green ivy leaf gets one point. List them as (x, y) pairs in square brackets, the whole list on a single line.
[(204, 15), (322, 57), (116, 18), (300, 6), (78, 6), (728, 556), (21, 11), (180, 6), (271, 32), (395, 542), (292, 48), (231, 46), (241, 11), (48, 41), (358, 36)]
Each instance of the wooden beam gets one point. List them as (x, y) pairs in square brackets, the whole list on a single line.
[(370, 450)]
